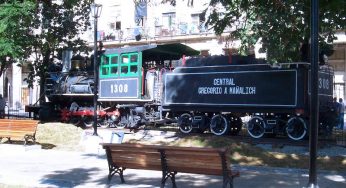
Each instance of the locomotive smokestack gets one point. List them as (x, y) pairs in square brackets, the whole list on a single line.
[(66, 60)]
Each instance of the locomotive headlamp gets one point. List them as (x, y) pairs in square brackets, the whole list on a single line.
[(114, 118)]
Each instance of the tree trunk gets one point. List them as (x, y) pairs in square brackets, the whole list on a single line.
[(42, 75)]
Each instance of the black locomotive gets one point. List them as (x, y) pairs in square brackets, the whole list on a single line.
[(152, 83)]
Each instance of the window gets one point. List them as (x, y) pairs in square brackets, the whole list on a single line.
[(114, 60), (105, 60), (134, 58), (133, 68), (109, 66), (168, 20), (124, 69), (118, 25), (129, 64), (124, 59), (124, 65), (195, 23), (105, 70)]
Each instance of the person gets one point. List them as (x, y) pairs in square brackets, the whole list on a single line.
[(336, 109), (341, 114), (2, 107)]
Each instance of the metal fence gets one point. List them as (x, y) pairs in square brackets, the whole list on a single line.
[(16, 113), (340, 137)]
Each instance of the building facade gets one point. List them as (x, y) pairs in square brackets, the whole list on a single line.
[(125, 23), (338, 62)]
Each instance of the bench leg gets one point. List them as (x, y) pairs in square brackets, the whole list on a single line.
[(27, 137), (228, 179), (165, 176), (116, 170)]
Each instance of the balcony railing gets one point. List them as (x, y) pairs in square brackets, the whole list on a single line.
[(155, 32)]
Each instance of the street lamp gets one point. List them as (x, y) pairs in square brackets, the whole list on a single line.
[(95, 12)]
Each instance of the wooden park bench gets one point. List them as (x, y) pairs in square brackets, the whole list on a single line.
[(14, 129), (170, 160)]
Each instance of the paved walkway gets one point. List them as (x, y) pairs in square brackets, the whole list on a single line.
[(32, 166)]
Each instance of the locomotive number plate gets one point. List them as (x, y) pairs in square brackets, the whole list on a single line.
[(119, 88)]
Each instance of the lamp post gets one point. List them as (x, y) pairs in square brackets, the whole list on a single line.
[(314, 100), (96, 12)]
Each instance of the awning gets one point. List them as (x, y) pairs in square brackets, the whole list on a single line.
[(155, 52)]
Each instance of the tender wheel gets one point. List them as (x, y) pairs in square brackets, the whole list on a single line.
[(296, 128), (88, 121), (236, 124), (185, 123), (219, 125), (255, 127), (75, 121)]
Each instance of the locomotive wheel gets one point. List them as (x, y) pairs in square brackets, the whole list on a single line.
[(123, 122), (296, 128), (219, 125), (185, 123), (103, 124), (121, 125), (75, 121), (255, 127), (236, 124), (88, 121)]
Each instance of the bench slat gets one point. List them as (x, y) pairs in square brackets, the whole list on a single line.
[(18, 129), (130, 165), (196, 170), (134, 154), (133, 150), (140, 146)]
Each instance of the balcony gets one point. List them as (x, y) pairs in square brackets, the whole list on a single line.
[(159, 33)]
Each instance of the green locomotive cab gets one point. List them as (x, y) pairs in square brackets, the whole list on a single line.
[(121, 76), (130, 80)]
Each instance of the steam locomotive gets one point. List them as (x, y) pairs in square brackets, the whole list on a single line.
[(152, 83)]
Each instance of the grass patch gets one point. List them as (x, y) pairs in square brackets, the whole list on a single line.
[(59, 136), (248, 154)]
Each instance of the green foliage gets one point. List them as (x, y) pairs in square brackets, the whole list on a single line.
[(41, 28), (15, 27), (281, 26), (60, 23)]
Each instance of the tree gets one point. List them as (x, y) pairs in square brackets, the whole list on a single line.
[(60, 25), (282, 27), (41, 28), (15, 27)]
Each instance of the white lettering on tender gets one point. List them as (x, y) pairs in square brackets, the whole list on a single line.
[(224, 82), (242, 90), (209, 90), (233, 89), (323, 83)]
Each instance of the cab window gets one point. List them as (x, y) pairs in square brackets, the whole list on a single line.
[(129, 65), (109, 65)]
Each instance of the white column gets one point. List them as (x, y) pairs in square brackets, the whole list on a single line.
[(16, 86)]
